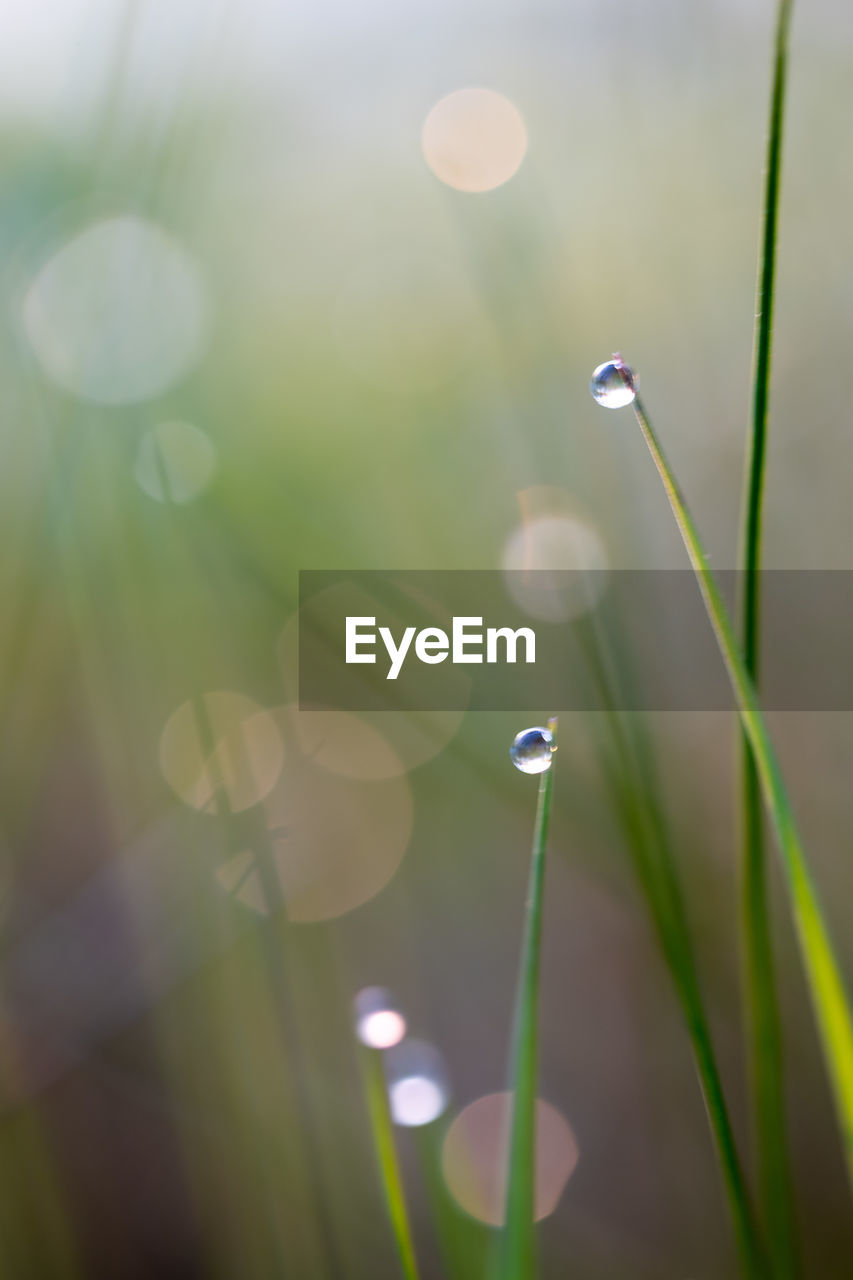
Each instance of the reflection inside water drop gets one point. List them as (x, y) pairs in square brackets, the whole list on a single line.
[(532, 750), (613, 384)]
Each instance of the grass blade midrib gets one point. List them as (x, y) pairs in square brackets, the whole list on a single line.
[(763, 1025)]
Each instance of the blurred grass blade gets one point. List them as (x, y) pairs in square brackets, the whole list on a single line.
[(823, 976), (664, 895), (462, 1240), (763, 1028), (386, 1155), (632, 780), (517, 1248)]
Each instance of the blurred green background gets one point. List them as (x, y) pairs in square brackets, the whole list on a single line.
[(219, 215)]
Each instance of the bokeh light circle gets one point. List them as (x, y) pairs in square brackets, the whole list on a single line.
[(536, 557), (474, 139), (337, 840), (344, 743), (417, 1083), (221, 749), (379, 1024), (415, 1101), (382, 1029), (175, 462), (474, 1157), (119, 313)]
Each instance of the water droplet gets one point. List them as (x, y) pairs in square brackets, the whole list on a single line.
[(532, 750), (613, 384)]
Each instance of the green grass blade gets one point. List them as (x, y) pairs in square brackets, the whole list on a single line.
[(463, 1241), (654, 867), (763, 1027), (632, 782), (826, 987), (386, 1155), (764, 1050), (763, 335), (517, 1252)]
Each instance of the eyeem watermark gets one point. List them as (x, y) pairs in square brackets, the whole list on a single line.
[(561, 640), (467, 642)]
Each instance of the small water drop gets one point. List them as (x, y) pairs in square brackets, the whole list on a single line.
[(532, 750), (613, 384)]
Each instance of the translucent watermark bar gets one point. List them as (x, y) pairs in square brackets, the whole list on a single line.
[(483, 640)]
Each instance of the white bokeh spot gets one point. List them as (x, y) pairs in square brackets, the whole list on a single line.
[(119, 313)]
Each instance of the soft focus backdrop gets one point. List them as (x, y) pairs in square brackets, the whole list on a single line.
[(247, 328)]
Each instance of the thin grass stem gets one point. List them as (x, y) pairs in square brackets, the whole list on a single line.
[(823, 976), (763, 1027), (386, 1155), (517, 1252)]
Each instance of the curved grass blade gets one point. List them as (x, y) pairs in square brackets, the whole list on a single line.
[(517, 1250), (826, 986), (386, 1155), (763, 1027)]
